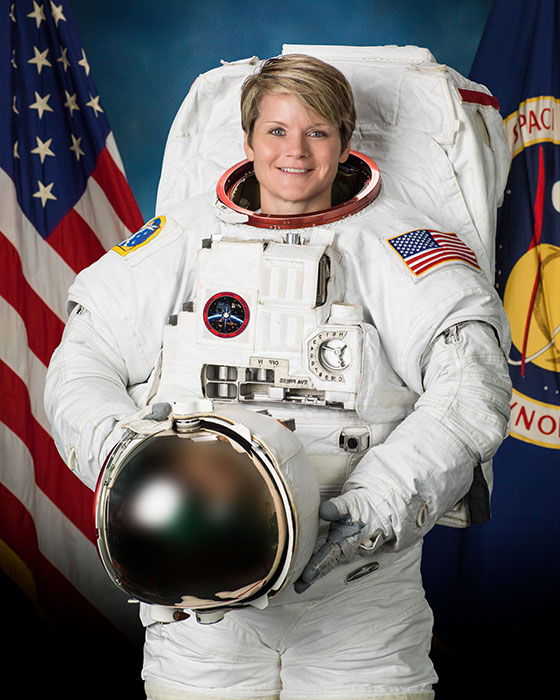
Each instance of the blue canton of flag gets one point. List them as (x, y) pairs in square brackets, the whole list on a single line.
[(422, 250), (57, 126)]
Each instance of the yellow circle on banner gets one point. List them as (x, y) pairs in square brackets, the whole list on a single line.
[(543, 341)]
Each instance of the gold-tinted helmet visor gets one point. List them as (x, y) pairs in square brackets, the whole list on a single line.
[(191, 520)]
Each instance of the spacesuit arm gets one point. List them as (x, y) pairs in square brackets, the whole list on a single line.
[(86, 396), (403, 486)]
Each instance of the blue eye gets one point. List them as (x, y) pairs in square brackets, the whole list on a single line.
[(277, 131)]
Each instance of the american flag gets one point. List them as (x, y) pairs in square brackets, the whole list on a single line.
[(422, 250), (64, 201)]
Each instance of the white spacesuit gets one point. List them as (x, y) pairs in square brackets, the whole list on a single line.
[(371, 326)]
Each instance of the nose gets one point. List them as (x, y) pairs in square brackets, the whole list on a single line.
[(296, 145)]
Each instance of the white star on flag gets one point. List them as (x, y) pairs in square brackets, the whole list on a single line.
[(71, 102), (57, 12), (43, 149), (94, 104), (44, 193), (38, 14), (41, 105), (64, 58), (75, 147), (83, 62), (40, 59)]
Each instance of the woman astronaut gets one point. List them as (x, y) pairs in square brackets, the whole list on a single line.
[(313, 296)]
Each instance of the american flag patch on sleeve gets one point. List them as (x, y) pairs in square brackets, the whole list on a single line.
[(422, 250)]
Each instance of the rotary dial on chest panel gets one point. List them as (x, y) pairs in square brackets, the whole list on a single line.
[(329, 355)]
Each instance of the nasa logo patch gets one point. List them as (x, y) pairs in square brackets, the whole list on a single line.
[(528, 269), (226, 314), (146, 234)]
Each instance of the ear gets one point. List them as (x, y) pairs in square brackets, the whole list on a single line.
[(248, 150), (344, 155)]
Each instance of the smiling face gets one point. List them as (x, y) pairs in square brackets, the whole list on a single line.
[(295, 154)]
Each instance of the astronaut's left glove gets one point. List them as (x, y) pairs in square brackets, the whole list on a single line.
[(347, 539)]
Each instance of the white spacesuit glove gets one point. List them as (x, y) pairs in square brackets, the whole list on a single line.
[(147, 421), (347, 539)]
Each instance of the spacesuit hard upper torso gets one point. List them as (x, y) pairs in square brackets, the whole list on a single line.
[(329, 327)]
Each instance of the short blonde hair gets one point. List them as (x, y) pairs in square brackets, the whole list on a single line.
[(320, 86)]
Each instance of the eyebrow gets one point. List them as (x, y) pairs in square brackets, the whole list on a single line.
[(280, 123)]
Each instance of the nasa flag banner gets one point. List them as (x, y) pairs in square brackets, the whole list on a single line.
[(65, 200), (519, 60), (499, 615), (517, 589)]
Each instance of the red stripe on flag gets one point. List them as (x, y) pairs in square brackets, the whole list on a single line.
[(75, 242), (44, 328), (441, 257), (52, 476), (479, 98), (56, 595), (117, 190)]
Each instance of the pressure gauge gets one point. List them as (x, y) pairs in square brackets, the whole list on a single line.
[(329, 354), (334, 355)]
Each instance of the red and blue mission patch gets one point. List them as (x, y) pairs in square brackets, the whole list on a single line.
[(226, 315)]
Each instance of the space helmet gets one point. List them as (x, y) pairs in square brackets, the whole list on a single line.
[(215, 510)]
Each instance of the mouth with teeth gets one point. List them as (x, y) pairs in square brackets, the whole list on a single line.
[(296, 171)]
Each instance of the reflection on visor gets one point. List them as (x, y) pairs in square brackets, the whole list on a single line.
[(157, 503), (190, 517)]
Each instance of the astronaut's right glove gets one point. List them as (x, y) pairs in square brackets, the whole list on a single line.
[(150, 419), (347, 539), (147, 421)]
